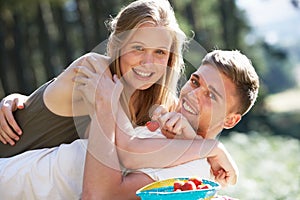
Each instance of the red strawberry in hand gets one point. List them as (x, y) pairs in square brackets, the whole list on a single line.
[(152, 125)]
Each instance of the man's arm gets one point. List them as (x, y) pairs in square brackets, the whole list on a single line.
[(137, 153)]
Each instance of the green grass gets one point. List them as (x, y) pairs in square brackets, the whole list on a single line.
[(269, 166)]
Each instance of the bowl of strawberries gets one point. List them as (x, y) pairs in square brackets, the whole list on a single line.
[(191, 188)]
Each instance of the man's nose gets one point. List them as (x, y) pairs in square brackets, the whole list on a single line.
[(198, 92)]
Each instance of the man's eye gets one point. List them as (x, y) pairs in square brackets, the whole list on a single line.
[(195, 82), (212, 96)]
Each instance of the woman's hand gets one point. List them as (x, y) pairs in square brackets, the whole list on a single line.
[(9, 129), (97, 89)]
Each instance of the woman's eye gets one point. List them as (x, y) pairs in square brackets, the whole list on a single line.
[(161, 52), (138, 48)]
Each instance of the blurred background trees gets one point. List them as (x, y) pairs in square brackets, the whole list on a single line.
[(39, 38)]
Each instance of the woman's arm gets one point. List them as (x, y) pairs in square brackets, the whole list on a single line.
[(70, 102), (62, 87), (102, 173)]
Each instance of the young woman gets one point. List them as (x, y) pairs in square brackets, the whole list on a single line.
[(145, 35)]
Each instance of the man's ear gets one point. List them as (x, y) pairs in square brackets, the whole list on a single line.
[(231, 120)]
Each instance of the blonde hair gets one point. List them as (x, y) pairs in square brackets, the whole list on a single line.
[(239, 69), (130, 17)]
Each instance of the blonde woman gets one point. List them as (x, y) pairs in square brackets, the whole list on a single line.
[(144, 32)]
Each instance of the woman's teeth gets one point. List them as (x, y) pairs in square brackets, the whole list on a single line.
[(143, 74), (188, 108)]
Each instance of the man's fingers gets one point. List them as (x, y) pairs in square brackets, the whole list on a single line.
[(8, 125), (231, 178), (156, 111), (168, 134), (11, 124), (5, 137), (174, 120), (3, 140), (20, 104), (7, 133)]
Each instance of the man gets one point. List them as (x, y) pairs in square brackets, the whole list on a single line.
[(217, 95)]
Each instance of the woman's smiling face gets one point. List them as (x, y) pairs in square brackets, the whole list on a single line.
[(144, 58)]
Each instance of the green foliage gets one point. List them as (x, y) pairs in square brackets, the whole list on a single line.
[(269, 166), (27, 6), (39, 38), (279, 77)]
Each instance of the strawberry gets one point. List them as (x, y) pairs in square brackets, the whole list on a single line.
[(177, 185), (202, 187), (152, 125), (196, 181), (190, 185)]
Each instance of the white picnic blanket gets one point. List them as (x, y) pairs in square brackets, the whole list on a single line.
[(57, 173)]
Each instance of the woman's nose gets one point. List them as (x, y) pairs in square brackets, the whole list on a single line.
[(147, 58)]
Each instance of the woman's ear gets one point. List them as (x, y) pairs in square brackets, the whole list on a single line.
[(231, 120)]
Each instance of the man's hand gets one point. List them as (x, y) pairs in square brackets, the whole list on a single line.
[(223, 166), (173, 124), (9, 129)]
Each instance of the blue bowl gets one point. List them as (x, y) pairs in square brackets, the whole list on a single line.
[(164, 190)]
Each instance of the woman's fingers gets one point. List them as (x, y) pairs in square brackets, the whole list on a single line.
[(96, 65), (81, 80), (84, 71)]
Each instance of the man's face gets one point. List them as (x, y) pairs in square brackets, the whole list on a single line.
[(207, 99)]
